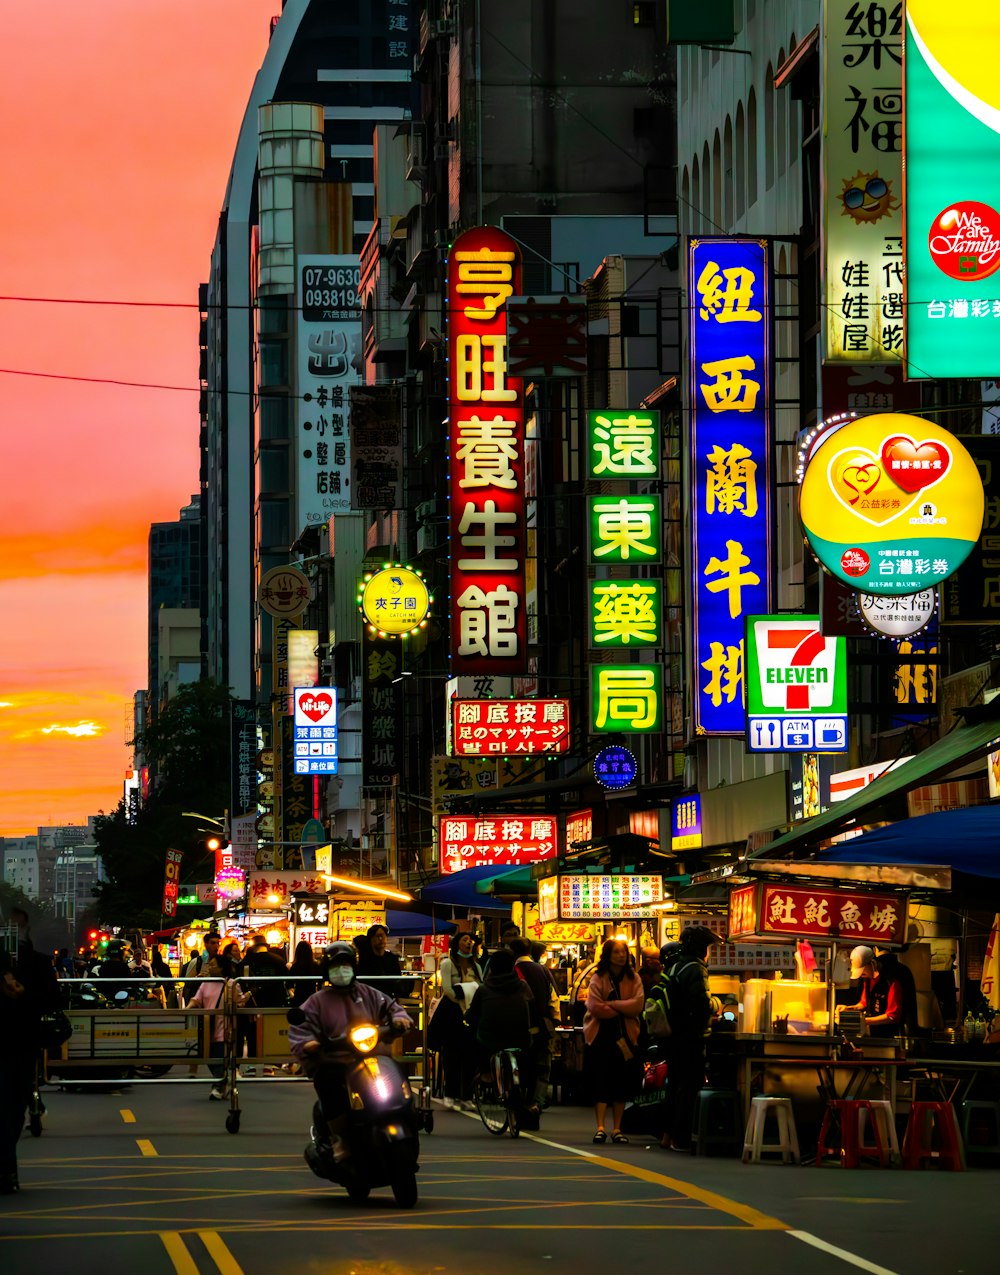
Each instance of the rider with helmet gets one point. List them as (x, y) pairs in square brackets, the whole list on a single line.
[(330, 1013)]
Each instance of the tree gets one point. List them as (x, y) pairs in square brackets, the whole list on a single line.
[(188, 748)]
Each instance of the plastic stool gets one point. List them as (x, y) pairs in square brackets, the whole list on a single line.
[(716, 1122), (919, 1139), (977, 1118), (842, 1132), (754, 1146)]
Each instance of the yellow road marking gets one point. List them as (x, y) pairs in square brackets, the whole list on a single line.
[(184, 1263), (751, 1216), (220, 1255), (146, 1147), (127, 1116)]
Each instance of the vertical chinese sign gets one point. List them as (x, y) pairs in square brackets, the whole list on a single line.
[(171, 883), (731, 431), (862, 182), (381, 728), (243, 748), (625, 531), (486, 459), (329, 359)]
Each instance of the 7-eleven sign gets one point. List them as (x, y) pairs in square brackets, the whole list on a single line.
[(796, 686)]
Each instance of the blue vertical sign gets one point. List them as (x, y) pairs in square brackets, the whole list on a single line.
[(730, 392)]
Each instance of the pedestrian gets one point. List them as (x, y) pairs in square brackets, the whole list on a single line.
[(64, 964), (265, 968), (685, 984), (376, 962), (219, 991), (191, 973), (650, 968), (611, 1034), (448, 1032), (546, 1015), (159, 965), (308, 973), (19, 1045)]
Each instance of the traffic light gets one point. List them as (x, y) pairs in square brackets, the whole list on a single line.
[(92, 936), (103, 939)]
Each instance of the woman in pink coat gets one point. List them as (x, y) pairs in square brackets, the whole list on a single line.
[(611, 1030)]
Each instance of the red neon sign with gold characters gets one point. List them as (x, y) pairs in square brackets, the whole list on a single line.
[(804, 912), (509, 727), (486, 457)]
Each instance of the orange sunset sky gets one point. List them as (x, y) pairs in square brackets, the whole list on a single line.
[(118, 120)]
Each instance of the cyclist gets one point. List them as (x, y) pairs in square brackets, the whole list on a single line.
[(504, 1015)]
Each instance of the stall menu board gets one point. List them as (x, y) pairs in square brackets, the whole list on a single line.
[(617, 896), (509, 727), (852, 916)]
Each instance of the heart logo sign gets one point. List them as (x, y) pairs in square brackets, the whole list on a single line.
[(315, 707), (878, 488), (915, 466)]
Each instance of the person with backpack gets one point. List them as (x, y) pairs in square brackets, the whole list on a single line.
[(687, 1005)]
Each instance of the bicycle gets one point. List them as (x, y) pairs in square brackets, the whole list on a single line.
[(498, 1094)]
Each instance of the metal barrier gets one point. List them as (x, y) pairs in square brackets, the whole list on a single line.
[(142, 1044)]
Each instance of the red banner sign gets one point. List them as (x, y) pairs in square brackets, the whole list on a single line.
[(851, 916), (171, 883), (468, 841), (486, 459), (509, 727)]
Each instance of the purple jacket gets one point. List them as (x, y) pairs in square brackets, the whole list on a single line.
[(332, 1011)]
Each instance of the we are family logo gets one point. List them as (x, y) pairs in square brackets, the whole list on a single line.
[(964, 240)]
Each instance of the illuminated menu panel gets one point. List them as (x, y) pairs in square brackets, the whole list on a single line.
[(614, 897)]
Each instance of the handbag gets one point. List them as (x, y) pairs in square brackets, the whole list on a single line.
[(656, 1020), (54, 1030)]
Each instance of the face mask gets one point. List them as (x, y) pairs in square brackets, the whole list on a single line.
[(341, 975)]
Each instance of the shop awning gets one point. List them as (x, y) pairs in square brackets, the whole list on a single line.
[(968, 840), (412, 924), (964, 743), (462, 889)]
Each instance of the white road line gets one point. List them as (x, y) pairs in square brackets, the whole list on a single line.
[(842, 1253)]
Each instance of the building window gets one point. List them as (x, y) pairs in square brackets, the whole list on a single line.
[(769, 129), (752, 149)]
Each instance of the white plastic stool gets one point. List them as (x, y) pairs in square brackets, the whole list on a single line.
[(754, 1146), (882, 1114)]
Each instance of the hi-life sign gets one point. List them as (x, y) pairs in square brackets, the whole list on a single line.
[(796, 686)]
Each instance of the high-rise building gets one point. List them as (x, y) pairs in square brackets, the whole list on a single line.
[(176, 559), (19, 864)]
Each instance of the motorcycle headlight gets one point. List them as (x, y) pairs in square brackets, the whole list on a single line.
[(364, 1039)]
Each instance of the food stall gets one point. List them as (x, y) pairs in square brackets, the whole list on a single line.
[(621, 905), (792, 1037)]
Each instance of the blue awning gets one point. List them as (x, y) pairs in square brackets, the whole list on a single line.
[(468, 889), (411, 924), (966, 840)]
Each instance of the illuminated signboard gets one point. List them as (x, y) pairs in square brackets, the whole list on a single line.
[(731, 428), (329, 362), (626, 613), (283, 592), (863, 182), (685, 823), (315, 730), (469, 841), (899, 617), (615, 896), (311, 910), (853, 917), (579, 829), (509, 727), (486, 459), (623, 444), (395, 601), (625, 529), (952, 193), (626, 698), (615, 767), (796, 686), (171, 883), (230, 884), (891, 504)]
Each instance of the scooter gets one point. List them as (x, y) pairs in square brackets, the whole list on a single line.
[(375, 1143)]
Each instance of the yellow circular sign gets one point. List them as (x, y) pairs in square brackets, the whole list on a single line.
[(395, 601), (891, 504), (284, 592)]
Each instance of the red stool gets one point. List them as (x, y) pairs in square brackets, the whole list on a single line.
[(840, 1134), (919, 1139)]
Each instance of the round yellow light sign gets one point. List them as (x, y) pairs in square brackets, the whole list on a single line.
[(395, 601), (891, 504)]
